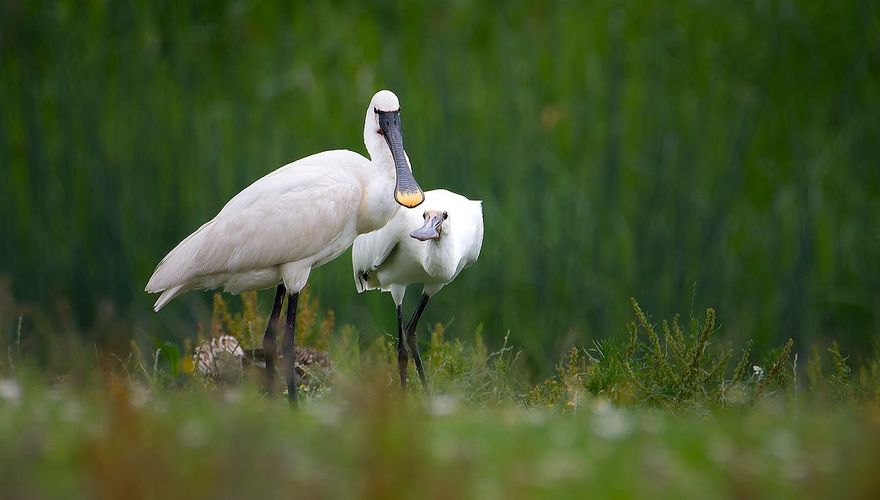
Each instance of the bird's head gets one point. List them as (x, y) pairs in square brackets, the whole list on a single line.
[(382, 131), (433, 227)]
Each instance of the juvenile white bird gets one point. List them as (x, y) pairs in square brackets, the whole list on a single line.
[(429, 246), (294, 219)]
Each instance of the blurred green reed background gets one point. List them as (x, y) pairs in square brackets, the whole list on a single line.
[(687, 153)]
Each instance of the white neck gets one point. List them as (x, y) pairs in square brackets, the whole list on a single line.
[(377, 203), (440, 261), (375, 142)]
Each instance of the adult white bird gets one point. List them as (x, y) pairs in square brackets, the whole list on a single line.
[(292, 220), (429, 246)]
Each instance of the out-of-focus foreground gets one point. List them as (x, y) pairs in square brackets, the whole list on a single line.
[(665, 412)]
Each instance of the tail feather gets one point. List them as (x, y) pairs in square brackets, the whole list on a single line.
[(180, 264), (166, 296)]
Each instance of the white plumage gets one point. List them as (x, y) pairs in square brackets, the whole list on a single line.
[(389, 259), (298, 217), (292, 220), (429, 245)]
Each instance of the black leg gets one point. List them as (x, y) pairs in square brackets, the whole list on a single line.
[(401, 350), (412, 341), (269, 340), (289, 347)]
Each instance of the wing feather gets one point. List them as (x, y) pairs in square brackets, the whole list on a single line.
[(288, 215), (369, 252)]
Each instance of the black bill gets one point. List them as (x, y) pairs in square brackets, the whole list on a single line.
[(406, 190)]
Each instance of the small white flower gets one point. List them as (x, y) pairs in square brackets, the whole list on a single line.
[(140, 396), (442, 405), (9, 390), (610, 423), (758, 371), (193, 433), (232, 396)]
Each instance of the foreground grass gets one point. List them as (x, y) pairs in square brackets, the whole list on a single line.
[(127, 442), (665, 412)]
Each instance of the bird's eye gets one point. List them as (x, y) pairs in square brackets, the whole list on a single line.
[(445, 215), (424, 215)]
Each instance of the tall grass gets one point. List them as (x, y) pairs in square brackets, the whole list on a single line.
[(621, 149), (667, 364), (655, 413)]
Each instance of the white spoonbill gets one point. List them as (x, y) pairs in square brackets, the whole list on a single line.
[(296, 218), (430, 247)]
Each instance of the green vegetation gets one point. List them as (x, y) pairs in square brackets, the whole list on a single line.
[(643, 416), (138, 443), (621, 149)]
